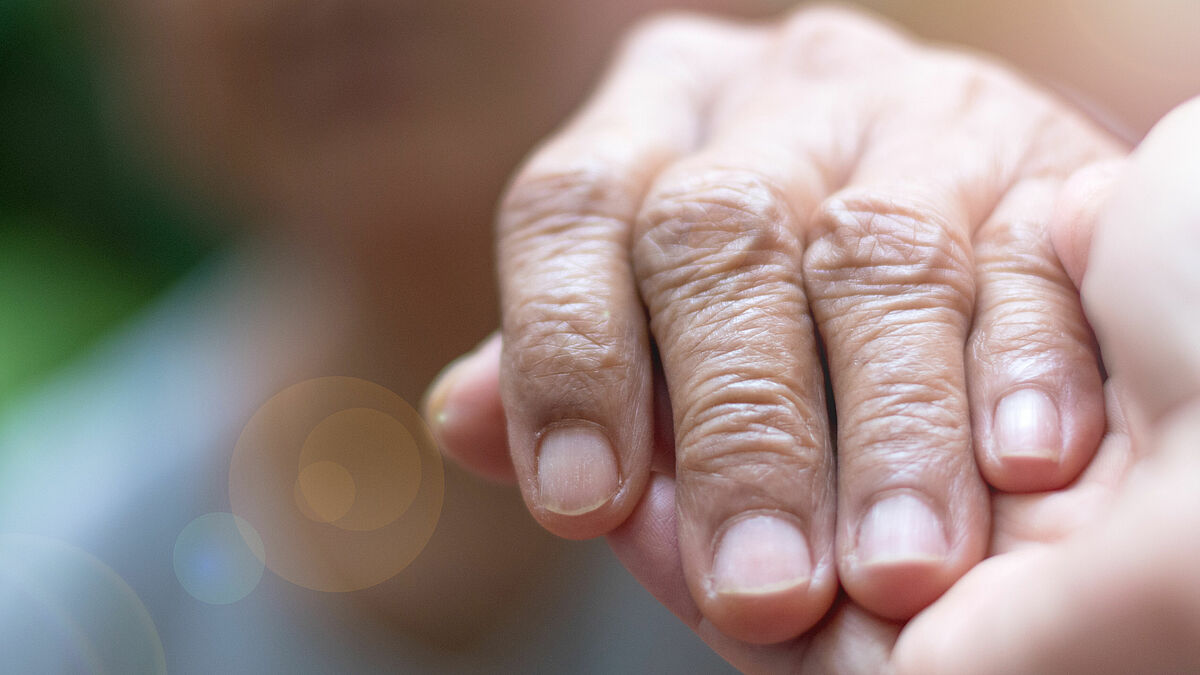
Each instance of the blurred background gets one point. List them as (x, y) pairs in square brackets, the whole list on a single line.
[(230, 227)]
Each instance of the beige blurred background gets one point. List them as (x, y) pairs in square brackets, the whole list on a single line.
[(204, 202)]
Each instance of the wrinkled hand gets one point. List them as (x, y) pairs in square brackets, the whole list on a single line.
[(821, 192), (1099, 577)]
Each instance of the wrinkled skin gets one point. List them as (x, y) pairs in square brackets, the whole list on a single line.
[(761, 194), (1098, 576)]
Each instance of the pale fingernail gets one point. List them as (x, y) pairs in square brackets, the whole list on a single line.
[(901, 529), (760, 555), (436, 414), (1027, 425), (577, 470)]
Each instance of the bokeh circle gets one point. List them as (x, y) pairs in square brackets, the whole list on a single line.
[(65, 611), (219, 558), (341, 479)]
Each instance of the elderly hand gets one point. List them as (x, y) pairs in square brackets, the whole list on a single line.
[(1098, 577), (765, 212)]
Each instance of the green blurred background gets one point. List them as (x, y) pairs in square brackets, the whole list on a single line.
[(88, 235)]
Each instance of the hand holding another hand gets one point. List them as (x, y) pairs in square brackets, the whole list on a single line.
[(818, 201), (1097, 577)]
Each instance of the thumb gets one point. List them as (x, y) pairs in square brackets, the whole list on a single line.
[(1117, 597), (463, 410), (1142, 286)]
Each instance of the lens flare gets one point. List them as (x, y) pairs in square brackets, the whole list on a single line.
[(65, 611), (219, 558), (325, 491), (342, 480)]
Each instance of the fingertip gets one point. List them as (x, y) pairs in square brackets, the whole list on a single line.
[(1033, 370), (465, 414), (577, 469), (580, 485), (761, 586), (902, 559), (1079, 204), (1034, 440), (1143, 270)]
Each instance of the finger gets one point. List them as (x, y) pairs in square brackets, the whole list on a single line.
[(889, 275), (718, 256), (1076, 212), (464, 413), (1093, 603), (850, 640), (1037, 402), (576, 374), (718, 259), (647, 546), (1142, 284)]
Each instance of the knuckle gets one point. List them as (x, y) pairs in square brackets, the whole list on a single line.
[(571, 341), (695, 233), (750, 431), (870, 245), (1015, 333), (551, 195), (907, 420)]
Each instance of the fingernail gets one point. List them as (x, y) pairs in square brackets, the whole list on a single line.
[(759, 555), (1026, 424), (577, 470), (901, 529), (436, 414)]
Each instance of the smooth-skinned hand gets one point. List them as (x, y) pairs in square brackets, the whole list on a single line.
[(739, 219)]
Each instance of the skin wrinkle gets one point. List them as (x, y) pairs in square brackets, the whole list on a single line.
[(742, 367), (874, 331), (573, 233), (736, 300), (740, 456), (730, 323), (709, 252), (745, 375), (733, 405), (719, 275), (714, 267), (906, 275), (1016, 323), (861, 239), (1020, 270), (560, 315), (551, 347), (1019, 343), (887, 420), (702, 271), (909, 409), (742, 372), (590, 188), (679, 249)]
